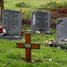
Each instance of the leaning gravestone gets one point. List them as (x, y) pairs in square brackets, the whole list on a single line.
[(11, 20), (40, 21), (61, 29)]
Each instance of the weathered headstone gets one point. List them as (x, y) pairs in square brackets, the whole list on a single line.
[(28, 46), (40, 21), (61, 29), (11, 20)]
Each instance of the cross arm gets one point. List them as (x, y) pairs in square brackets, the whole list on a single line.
[(20, 45), (35, 45)]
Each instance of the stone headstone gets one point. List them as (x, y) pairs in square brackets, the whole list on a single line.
[(61, 32), (11, 20), (40, 21)]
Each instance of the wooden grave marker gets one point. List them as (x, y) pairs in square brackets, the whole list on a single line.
[(28, 46)]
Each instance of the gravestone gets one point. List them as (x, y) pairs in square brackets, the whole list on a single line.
[(40, 21), (11, 20), (61, 31)]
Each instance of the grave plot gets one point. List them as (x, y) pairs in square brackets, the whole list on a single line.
[(40, 21)]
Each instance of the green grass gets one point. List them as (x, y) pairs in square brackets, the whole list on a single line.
[(28, 6), (10, 56)]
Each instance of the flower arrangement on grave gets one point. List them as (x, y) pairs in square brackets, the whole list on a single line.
[(2, 31), (63, 44), (52, 43)]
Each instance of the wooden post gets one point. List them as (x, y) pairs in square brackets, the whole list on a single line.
[(28, 50), (2, 7)]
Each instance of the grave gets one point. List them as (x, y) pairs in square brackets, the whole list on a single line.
[(40, 21), (11, 20), (28, 46), (61, 32)]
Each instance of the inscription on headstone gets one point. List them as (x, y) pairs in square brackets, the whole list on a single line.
[(11, 20), (40, 21), (61, 29)]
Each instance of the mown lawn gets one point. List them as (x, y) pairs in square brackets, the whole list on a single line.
[(10, 56)]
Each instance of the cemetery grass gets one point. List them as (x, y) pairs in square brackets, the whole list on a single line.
[(10, 56), (28, 6)]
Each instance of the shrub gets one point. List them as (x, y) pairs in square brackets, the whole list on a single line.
[(22, 4), (53, 25), (55, 5)]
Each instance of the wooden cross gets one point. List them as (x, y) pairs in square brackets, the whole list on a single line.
[(28, 46)]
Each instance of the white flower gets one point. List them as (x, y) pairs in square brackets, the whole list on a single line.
[(50, 59)]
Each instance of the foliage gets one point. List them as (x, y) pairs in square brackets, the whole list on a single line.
[(28, 6), (22, 4), (52, 5)]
